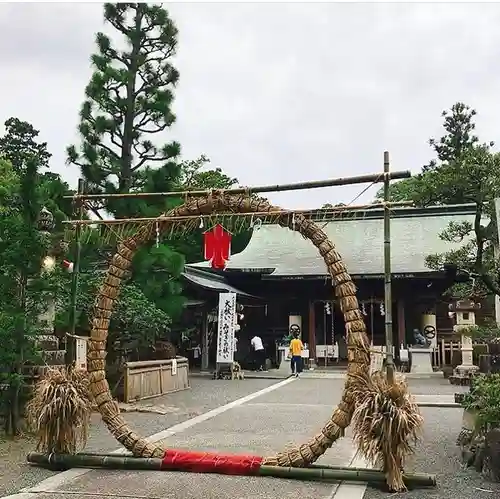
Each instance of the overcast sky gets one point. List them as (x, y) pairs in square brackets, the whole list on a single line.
[(280, 92)]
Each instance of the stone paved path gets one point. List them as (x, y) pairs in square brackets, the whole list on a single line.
[(291, 412)]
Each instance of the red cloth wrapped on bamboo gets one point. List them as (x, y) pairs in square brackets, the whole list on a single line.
[(208, 462)]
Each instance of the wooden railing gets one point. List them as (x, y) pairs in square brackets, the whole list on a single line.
[(445, 349), (152, 378)]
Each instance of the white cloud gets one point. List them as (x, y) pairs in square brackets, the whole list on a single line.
[(276, 92)]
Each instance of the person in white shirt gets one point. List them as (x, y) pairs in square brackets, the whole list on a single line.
[(259, 352)]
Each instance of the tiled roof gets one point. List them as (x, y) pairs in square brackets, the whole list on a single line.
[(360, 241)]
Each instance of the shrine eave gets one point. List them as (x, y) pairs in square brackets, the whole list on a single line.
[(212, 282)]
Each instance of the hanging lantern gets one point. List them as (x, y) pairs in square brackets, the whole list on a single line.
[(217, 246)]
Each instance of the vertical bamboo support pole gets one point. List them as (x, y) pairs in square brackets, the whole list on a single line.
[(70, 356), (387, 274)]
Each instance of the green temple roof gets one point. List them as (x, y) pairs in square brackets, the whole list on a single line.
[(281, 252)]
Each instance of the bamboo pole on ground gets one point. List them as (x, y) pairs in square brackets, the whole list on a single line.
[(314, 184), (312, 473), (387, 272)]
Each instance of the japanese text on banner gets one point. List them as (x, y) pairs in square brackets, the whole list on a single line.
[(226, 326)]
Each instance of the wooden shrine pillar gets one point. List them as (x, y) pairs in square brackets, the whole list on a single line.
[(204, 340), (401, 323), (312, 334)]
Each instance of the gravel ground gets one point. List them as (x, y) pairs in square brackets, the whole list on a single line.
[(439, 454), (204, 395)]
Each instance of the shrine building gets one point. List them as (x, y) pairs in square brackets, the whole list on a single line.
[(284, 281)]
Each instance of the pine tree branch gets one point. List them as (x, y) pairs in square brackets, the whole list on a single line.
[(109, 150), (159, 128), (488, 281), (145, 158)]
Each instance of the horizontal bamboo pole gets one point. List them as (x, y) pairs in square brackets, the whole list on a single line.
[(336, 474), (418, 479), (316, 473), (314, 184), (108, 461), (307, 213)]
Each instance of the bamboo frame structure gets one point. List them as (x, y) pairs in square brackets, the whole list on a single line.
[(235, 202), (388, 275), (312, 214), (314, 184)]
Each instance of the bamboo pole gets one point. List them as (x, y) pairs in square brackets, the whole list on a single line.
[(314, 184), (312, 473), (344, 474), (305, 213), (70, 354), (387, 274)]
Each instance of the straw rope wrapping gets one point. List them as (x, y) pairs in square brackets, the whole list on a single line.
[(387, 424), (59, 412), (357, 342)]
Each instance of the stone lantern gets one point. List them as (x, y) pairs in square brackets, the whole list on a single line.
[(464, 311), (45, 221)]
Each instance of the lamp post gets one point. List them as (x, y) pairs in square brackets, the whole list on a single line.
[(43, 224), (70, 338)]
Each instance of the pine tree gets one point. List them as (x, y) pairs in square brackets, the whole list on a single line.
[(459, 139), (19, 145), (127, 104), (457, 144)]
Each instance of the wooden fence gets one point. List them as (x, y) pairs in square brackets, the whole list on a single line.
[(152, 378), (444, 352)]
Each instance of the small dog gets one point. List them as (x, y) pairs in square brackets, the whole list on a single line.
[(229, 371), (236, 371)]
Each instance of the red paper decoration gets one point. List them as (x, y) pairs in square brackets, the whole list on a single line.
[(68, 266), (217, 245)]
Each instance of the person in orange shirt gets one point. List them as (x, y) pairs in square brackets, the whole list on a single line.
[(296, 348)]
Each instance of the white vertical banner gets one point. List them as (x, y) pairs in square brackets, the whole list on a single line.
[(225, 328)]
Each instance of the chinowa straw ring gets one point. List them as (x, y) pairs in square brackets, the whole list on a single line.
[(290, 463)]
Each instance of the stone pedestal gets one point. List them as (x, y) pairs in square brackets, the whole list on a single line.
[(467, 367), (421, 360), (284, 362)]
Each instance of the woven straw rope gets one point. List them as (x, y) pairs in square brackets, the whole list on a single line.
[(345, 291)]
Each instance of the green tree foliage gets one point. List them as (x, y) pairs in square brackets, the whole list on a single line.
[(22, 248), (127, 107), (474, 179), (135, 320), (127, 104), (458, 140), (24, 289), (465, 171), (194, 176), (19, 145), (125, 115)]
